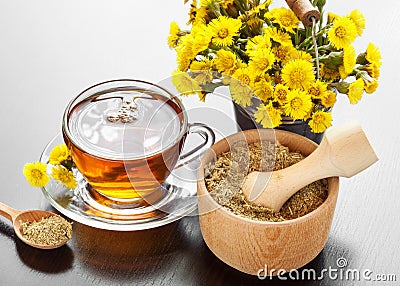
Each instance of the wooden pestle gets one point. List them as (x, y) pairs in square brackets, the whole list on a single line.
[(344, 151), (305, 11)]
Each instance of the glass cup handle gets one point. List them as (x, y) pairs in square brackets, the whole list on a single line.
[(209, 139)]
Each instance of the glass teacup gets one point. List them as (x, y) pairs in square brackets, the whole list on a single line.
[(126, 136)]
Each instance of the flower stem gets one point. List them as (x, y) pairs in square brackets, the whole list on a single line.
[(308, 40)]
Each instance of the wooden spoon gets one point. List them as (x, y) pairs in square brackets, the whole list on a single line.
[(344, 151), (17, 217)]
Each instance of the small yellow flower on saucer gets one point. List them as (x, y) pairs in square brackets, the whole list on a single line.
[(65, 176), (35, 174), (320, 121), (58, 154), (343, 32), (223, 29)]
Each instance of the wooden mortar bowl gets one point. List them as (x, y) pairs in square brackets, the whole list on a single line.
[(248, 245)]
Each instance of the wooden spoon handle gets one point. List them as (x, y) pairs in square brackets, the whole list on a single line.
[(8, 212)]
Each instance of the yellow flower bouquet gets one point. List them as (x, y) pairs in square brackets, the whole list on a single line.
[(266, 53), (59, 167)]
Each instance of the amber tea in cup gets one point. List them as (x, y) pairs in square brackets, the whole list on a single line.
[(126, 136)]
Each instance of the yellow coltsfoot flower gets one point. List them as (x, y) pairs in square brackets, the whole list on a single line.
[(285, 18), (327, 73), (36, 175), (278, 36), (349, 59), (332, 17), (317, 89), (268, 116), (264, 90), (299, 55), (342, 33), (329, 99), (184, 83), (370, 83), (280, 93), (223, 30), (64, 176), (373, 70), (298, 104), (356, 90), (371, 86), (225, 61), (358, 19), (283, 53), (298, 74), (373, 55), (58, 154), (256, 43), (320, 121), (184, 53), (202, 70), (261, 61), (241, 93), (244, 75), (174, 35)]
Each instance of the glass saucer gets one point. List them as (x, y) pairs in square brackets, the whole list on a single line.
[(82, 204)]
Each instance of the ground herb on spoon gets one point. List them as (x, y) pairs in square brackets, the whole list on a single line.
[(49, 231)]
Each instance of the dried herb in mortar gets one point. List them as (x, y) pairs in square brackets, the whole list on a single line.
[(225, 177), (49, 231)]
